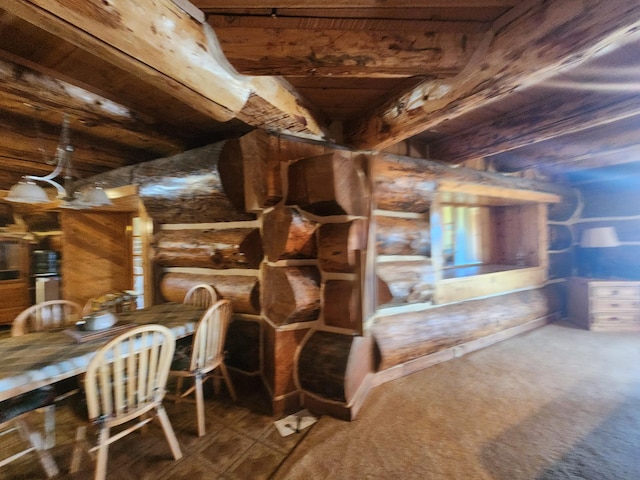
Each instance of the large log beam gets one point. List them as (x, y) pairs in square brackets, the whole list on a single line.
[(406, 184), (333, 370), (366, 47), (342, 190), (288, 235), (554, 118), (183, 188), (580, 150), (403, 236), (209, 248), (407, 336), (340, 244), (560, 34), (293, 294), (251, 165), (242, 291), (178, 55), (407, 282)]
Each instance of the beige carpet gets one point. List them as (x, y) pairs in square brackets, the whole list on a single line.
[(555, 403)]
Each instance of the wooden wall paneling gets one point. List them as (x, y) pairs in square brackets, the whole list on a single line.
[(516, 235), (293, 294), (208, 248), (242, 290), (288, 235), (96, 254), (15, 288)]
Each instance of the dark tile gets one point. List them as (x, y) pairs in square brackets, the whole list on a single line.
[(272, 438), (225, 448), (258, 463)]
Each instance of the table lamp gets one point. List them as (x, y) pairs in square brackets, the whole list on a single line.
[(597, 238)]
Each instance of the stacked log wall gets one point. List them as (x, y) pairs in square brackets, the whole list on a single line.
[(409, 323), (275, 225), (203, 234)]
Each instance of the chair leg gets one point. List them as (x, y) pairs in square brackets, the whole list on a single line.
[(179, 382), (168, 432), (200, 404), (227, 380), (35, 440), (49, 427), (103, 454), (79, 444)]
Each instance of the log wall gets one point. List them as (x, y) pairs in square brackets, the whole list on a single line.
[(317, 248)]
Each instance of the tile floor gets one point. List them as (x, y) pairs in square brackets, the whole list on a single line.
[(241, 443)]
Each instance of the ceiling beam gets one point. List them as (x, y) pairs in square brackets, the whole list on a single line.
[(585, 149), (346, 48), (554, 118), (531, 42), (214, 4), (160, 43), (26, 90)]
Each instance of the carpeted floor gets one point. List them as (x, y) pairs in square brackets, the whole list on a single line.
[(557, 403)]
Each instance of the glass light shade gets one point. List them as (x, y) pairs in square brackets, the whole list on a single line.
[(27, 192), (599, 237), (96, 197)]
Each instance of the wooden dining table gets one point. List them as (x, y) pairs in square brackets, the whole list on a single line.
[(37, 359)]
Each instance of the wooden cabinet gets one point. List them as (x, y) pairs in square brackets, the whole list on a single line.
[(14, 277), (604, 304)]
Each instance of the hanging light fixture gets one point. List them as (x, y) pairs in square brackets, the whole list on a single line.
[(27, 191)]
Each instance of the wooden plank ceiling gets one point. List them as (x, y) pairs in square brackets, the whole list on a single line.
[(546, 85)]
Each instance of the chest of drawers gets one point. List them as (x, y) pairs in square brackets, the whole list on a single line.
[(604, 304)]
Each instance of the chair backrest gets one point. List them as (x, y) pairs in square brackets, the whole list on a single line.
[(208, 342), (47, 315), (201, 295), (128, 375)]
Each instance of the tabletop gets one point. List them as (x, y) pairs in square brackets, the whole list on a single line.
[(42, 358)]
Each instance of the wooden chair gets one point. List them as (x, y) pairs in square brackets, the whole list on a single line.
[(206, 356), (46, 316), (49, 315), (125, 382), (14, 417), (201, 295)]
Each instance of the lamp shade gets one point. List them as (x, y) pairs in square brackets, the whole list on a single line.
[(96, 197), (599, 237), (27, 192)]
